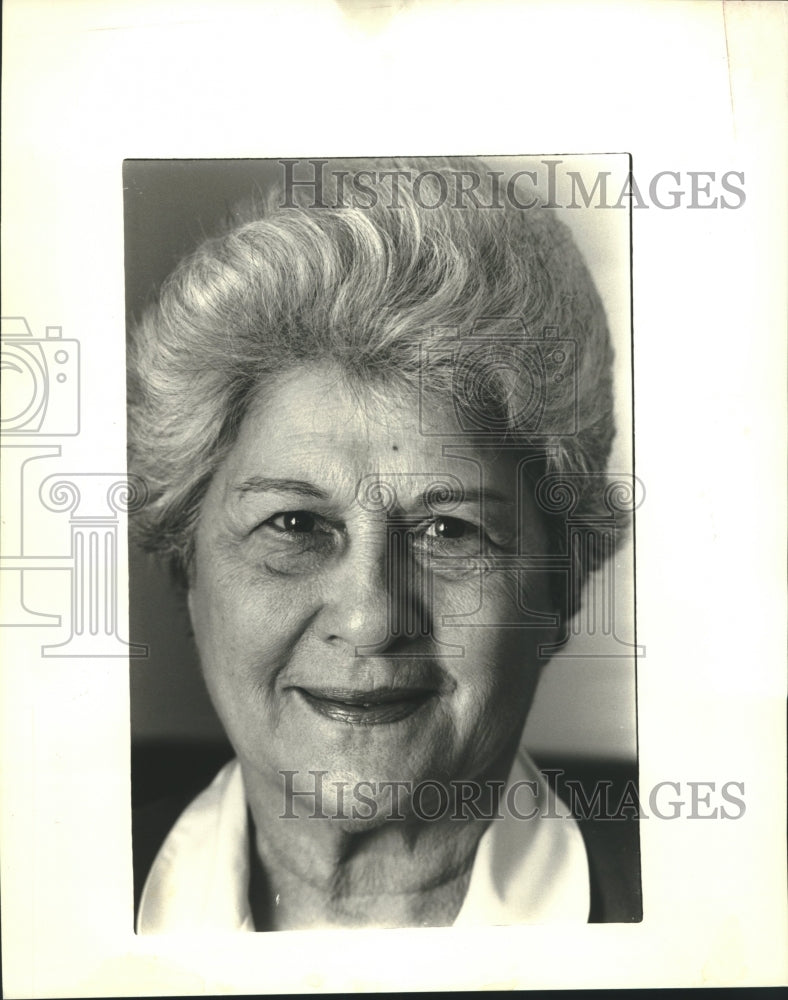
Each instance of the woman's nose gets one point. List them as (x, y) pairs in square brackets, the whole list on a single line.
[(376, 595)]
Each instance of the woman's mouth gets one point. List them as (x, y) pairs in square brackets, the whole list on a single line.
[(367, 708)]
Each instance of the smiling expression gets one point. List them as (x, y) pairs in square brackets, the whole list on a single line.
[(345, 614)]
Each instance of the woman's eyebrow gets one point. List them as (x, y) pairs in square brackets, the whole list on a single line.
[(269, 484), (439, 494), (434, 496)]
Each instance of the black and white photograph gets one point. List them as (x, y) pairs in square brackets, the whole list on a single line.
[(371, 424), (393, 450)]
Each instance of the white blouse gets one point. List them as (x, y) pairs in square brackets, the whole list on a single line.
[(525, 871)]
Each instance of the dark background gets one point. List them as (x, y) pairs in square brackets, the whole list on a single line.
[(170, 206)]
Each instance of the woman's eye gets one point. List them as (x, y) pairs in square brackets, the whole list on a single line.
[(295, 541), (448, 527), (452, 536), (295, 522)]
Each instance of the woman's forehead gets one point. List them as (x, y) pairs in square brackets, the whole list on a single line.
[(312, 427)]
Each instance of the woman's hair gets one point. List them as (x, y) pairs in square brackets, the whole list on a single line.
[(492, 307)]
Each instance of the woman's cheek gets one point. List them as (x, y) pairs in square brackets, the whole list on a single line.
[(274, 610), (476, 597), (246, 615)]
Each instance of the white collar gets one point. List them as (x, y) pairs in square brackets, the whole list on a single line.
[(525, 870)]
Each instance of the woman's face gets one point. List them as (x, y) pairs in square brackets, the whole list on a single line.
[(343, 634)]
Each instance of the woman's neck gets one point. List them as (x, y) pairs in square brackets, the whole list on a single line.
[(318, 873)]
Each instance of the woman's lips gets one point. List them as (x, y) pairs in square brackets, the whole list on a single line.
[(367, 708)]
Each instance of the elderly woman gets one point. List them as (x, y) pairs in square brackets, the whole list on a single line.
[(343, 409)]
